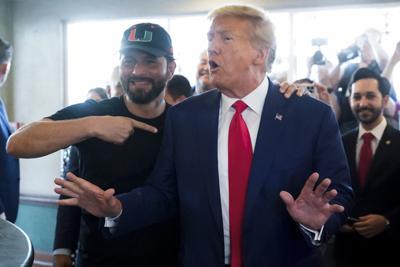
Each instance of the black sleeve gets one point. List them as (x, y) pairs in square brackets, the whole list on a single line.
[(68, 218), (67, 227), (87, 108)]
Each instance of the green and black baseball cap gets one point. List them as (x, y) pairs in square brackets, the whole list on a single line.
[(148, 37)]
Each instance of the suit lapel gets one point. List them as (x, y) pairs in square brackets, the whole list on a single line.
[(208, 122), (272, 121)]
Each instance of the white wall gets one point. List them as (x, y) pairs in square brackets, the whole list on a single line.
[(38, 72)]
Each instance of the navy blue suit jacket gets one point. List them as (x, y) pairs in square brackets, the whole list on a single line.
[(9, 172), (296, 137)]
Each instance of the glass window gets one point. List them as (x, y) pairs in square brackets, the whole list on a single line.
[(92, 47)]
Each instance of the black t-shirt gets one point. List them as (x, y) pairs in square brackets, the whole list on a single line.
[(122, 167)]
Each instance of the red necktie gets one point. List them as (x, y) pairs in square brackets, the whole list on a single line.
[(365, 158), (240, 154)]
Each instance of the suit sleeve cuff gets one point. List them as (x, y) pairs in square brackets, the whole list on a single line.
[(62, 251), (313, 235), (111, 222)]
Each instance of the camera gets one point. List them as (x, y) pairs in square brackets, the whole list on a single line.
[(306, 84), (308, 87), (319, 41), (348, 53)]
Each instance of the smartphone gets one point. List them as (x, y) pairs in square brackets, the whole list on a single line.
[(309, 87), (319, 41), (351, 220)]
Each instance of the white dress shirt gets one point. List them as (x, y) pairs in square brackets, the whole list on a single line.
[(377, 132), (252, 116)]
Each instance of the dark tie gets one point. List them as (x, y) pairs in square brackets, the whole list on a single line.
[(240, 154), (365, 158)]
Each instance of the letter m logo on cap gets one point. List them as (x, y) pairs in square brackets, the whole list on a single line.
[(147, 36)]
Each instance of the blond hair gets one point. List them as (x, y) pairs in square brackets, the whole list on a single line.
[(263, 35)]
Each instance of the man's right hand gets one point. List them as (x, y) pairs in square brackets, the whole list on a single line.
[(288, 89), (88, 196), (116, 129), (62, 261)]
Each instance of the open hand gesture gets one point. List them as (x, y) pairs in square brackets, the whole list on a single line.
[(312, 208), (88, 196)]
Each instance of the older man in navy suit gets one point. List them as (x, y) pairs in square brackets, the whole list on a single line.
[(9, 166), (235, 163)]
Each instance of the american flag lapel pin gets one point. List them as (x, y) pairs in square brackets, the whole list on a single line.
[(278, 117)]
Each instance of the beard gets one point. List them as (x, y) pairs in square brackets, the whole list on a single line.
[(141, 96), (367, 115)]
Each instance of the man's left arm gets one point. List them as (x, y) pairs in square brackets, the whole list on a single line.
[(322, 201), (331, 161)]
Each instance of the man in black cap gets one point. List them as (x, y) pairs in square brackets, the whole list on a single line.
[(118, 140)]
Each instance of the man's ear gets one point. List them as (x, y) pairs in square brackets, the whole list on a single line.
[(385, 100), (261, 56), (171, 69)]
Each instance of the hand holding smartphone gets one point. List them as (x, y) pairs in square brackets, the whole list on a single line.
[(352, 220)]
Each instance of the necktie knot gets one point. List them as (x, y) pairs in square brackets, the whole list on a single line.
[(239, 106), (368, 137)]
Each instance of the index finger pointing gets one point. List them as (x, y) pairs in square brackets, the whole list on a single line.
[(144, 126)]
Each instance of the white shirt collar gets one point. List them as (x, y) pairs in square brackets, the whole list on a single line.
[(377, 131), (255, 100)]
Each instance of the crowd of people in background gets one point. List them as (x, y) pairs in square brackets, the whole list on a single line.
[(365, 51)]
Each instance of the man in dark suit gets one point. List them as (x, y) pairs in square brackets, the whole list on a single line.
[(9, 166), (371, 237), (238, 182)]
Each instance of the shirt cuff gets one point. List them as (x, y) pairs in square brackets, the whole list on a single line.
[(62, 251), (111, 222), (315, 236), (3, 216)]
